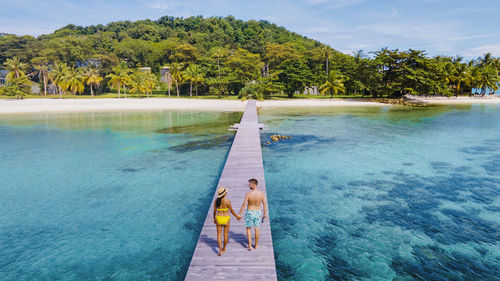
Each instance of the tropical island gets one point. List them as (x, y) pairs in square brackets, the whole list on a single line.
[(224, 58), (123, 143)]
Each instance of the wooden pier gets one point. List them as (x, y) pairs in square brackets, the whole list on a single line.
[(243, 163)]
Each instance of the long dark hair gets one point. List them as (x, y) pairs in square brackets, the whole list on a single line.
[(219, 201)]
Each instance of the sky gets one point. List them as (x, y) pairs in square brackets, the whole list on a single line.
[(440, 27)]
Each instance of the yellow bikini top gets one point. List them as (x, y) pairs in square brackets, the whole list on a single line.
[(223, 209)]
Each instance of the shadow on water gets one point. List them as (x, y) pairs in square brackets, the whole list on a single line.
[(390, 114), (205, 143), (164, 122), (217, 126)]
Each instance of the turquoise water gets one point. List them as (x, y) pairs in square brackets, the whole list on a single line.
[(106, 196), (385, 193)]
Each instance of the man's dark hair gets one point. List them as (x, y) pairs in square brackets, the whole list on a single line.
[(254, 181)]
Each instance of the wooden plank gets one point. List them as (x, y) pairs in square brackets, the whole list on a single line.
[(244, 161)]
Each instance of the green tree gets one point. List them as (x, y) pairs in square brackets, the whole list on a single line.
[(92, 78), (42, 70), (151, 81), (185, 53), (244, 66), (18, 86), (16, 68), (138, 82), (277, 53), (119, 78), (218, 53), (73, 81), (294, 75), (334, 84), (177, 76), (57, 75), (168, 81), (194, 75)]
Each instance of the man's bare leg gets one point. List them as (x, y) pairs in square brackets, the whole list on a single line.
[(219, 238), (249, 235), (257, 236), (226, 232)]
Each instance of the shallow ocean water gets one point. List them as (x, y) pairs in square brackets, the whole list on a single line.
[(385, 193), (364, 193), (106, 196)]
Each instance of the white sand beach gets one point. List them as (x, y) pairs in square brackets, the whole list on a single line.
[(489, 99), (89, 105)]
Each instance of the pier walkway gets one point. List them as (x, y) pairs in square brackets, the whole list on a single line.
[(243, 163)]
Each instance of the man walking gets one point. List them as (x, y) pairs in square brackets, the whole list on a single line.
[(254, 216)]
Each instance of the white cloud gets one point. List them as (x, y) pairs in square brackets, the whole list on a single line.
[(483, 49), (163, 5)]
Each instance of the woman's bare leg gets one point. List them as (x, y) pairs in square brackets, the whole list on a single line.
[(219, 238), (226, 234)]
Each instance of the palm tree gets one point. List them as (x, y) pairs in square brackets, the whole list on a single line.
[(458, 76), (334, 84), (15, 67), (488, 79), (92, 78), (190, 73), (471, 76), (198, 78), (43, 74), (73, 81), (57, 75), (138, 82), (486, 59), (151, 81), (169, 81), (326, 52), (177, 77), (119, 77)]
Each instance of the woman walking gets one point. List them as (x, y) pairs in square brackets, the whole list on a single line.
[(222, 218)]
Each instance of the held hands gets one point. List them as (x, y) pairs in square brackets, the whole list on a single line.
[(238, 217)]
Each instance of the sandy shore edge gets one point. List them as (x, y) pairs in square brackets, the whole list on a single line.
[(490, 99), (91, 105)]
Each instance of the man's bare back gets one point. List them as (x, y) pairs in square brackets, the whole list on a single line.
[(255, 199)]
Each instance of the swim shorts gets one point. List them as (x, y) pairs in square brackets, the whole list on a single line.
[(253, 218)]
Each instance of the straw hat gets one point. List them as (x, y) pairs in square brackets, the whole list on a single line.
[(221, 192)]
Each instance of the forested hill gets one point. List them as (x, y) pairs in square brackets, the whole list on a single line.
[(151, 43), (223, 56)]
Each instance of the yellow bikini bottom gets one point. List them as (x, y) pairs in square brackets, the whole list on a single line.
[(222, 220)]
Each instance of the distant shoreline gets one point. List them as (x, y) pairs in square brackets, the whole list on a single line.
[(104, 104), (489, 99), (93, 105)]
